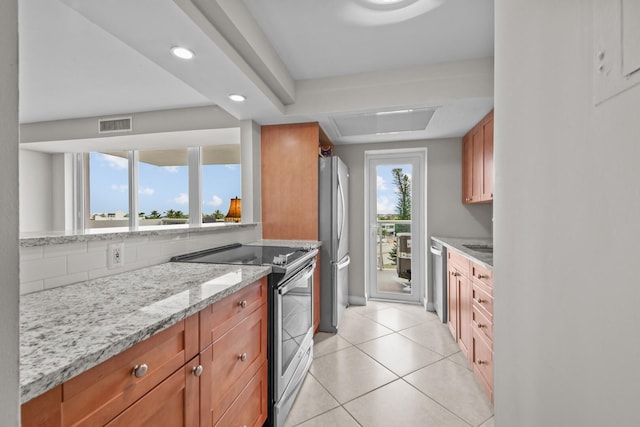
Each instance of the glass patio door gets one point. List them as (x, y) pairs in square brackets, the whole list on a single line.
[(395, 217)]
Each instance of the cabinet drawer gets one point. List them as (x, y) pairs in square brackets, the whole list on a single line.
[(250, 408), (459, 261), (483, 363), (174, 402), (99, 394), (482, 275), (221, 316), (43, 410), (483, 300), (481, 323), (231, 361)]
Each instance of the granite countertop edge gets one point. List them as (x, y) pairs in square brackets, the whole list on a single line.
[(457, 243), (34, 383)]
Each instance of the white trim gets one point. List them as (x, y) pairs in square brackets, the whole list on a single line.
[(354, 300), (134, 205), (79, 173), (194, 155), (418, 157)]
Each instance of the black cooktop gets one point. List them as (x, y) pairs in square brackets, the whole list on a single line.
[(278, 257)]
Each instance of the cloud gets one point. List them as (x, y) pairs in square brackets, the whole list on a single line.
[(231, 167), (146, 191), (171, 169), (380, 183), (384, 205), (115, 162), (120, 188), (182, 199), (215, 201)]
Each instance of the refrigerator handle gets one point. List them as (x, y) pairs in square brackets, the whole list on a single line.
[(343, 209), (344, 263)]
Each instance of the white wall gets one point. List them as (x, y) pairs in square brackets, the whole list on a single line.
[(9, 283), (567, 226), (36, 189), (446, 215)]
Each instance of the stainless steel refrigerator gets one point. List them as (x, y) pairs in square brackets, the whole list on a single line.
[(333, 230)]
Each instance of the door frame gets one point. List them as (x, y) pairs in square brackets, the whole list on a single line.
[(419, 278)]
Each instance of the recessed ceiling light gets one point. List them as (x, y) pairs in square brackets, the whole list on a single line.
[(182, 52), (236, 97)]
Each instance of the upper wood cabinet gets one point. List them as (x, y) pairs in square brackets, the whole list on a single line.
[(477, 162), (290, 180)]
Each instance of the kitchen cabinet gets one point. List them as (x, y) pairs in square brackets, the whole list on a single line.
[(234, 357), (470, 318), (98, 395), (289, 175), (44, 410), (208, 370), (477, 162), (482, 327), (459, 302)]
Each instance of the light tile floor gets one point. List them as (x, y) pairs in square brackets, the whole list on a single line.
[(389, 364)]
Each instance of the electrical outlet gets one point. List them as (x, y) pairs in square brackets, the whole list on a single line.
[(115, 255)]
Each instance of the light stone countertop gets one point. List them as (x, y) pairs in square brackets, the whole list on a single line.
[(457, 243), (28, 240), (68, 330), (289, 243)]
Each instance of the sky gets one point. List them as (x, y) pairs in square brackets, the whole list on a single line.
[(387, 196), (160, 188)]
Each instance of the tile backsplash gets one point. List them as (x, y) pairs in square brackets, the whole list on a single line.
[(51, 265)]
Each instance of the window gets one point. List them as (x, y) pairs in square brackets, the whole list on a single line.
[(108, 190), (220, 180), (163, 190), (163, 186)]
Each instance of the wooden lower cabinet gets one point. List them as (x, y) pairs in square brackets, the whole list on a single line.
[(452, 300), (465, 308), (43, 410), (174, 402), (470, 314), (101, 393), (230, 363), (483, 362), (250, 407), (167, 381)]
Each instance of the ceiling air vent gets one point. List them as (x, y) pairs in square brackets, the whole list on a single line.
[(120, 124), (384, 122)]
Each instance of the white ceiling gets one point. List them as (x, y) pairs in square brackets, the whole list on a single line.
[(294, 60)]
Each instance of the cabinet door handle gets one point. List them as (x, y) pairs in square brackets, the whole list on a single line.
[(482, 362), (243, 303), (197, 370), (242, 357), (482, 301), (140, 371), (482, 276), (480, 325)]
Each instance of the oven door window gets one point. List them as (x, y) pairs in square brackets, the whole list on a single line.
[(296, 317)]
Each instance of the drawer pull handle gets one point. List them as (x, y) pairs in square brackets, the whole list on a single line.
[(482, 362), (242, 357), (483, 276), (243, 303), (480, 325), (197, 370), (482, 301), (140, 371)]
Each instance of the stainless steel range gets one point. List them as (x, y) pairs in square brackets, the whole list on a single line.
[(290, 306)]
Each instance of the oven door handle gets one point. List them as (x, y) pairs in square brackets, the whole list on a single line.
[(303, 275)]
